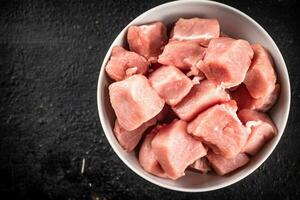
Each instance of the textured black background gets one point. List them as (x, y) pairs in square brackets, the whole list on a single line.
[(51, 53)]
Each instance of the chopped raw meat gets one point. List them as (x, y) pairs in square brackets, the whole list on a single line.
[(129, 139), (196, 29), (223, 165), (124, 63), (245, 100), (201, 165), (262, 129), (171, 84), (227, 61), (182, 54), (175, 149), (220, 128), (134, 101), (201, 96), (147, 157), (261, 78), (147, 40), (190, 86)]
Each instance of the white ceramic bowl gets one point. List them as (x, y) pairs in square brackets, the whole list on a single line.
[(234, 23)]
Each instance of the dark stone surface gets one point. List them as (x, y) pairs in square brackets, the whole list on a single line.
[(51, 53)]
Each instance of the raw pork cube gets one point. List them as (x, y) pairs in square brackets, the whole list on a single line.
[(147, 40), (261, 77), (124, 63), (227, 61), (147, 157), (245, 100), (220, 128), (182, 54), (196, 29), (171, 84), (202, 96), (201, 165), (223, 165), (262, 129), (134, 101), (129, 139), (175, 149)]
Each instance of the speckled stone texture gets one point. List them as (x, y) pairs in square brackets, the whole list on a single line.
[(51, 52)]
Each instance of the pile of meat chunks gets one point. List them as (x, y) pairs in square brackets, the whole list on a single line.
[(194, 100)]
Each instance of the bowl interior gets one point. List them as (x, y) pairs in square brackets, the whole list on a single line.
[(233, 23)]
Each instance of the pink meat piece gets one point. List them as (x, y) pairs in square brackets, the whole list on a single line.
[(262, 129), (220, 128), (129, 139), (175, 149), (227, 61), (123, 64), (134, 101), (147, 157), (201, 96), (245, 100), (261, 77), (201, 165), (182, 54), (196, 29), (171, 84), (147, 40), (223, 165)]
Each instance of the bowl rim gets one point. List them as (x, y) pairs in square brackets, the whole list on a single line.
[(107, 127)]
